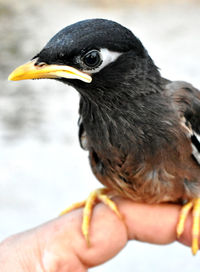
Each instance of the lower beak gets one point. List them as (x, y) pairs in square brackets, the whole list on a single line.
[(31, 70)]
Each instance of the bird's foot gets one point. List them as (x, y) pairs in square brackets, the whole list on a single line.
[(100, 195), (195, 206)]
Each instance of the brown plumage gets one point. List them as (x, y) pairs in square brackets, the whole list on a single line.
[(172, 172)]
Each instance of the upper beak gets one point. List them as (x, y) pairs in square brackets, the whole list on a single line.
[(31, 70)]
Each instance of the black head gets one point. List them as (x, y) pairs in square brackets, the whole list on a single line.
[(96, 51), (109, 67), (81, 37)]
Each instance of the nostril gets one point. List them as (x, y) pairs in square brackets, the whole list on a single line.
[(41, 64)]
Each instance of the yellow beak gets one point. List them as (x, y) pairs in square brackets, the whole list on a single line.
[(31, 70)]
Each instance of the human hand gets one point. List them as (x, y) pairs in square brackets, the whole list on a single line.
[(59, 246)]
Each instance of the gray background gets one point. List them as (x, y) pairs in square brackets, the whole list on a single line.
[(42, 168)]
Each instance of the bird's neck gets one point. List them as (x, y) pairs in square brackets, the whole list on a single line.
[(114, 91), (111, 114), (122, 126)]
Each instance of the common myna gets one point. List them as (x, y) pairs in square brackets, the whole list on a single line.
[(140, 129)]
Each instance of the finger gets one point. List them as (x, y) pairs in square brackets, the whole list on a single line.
[(108, 234), (150, 223)]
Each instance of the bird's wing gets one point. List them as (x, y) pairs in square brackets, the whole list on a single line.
[(83, 140), (186, 100)]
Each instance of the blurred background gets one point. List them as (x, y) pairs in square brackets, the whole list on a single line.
[(41, 163)]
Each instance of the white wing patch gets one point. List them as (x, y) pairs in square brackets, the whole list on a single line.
[(195, 139)]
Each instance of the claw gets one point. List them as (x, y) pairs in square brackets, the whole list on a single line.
[(72, 207), (195, 228), (182, 218), (195, 204), (102, 195)]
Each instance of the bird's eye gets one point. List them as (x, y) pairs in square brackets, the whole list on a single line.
[(92, 59)]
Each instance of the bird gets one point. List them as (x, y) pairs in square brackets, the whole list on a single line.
[(140, 129)]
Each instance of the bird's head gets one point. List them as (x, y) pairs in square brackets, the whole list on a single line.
[(93, 54)]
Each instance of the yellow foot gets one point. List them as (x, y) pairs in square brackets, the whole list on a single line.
[(195, 205), (101, 195)]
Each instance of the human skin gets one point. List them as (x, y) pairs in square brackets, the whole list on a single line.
[(59, 246)]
